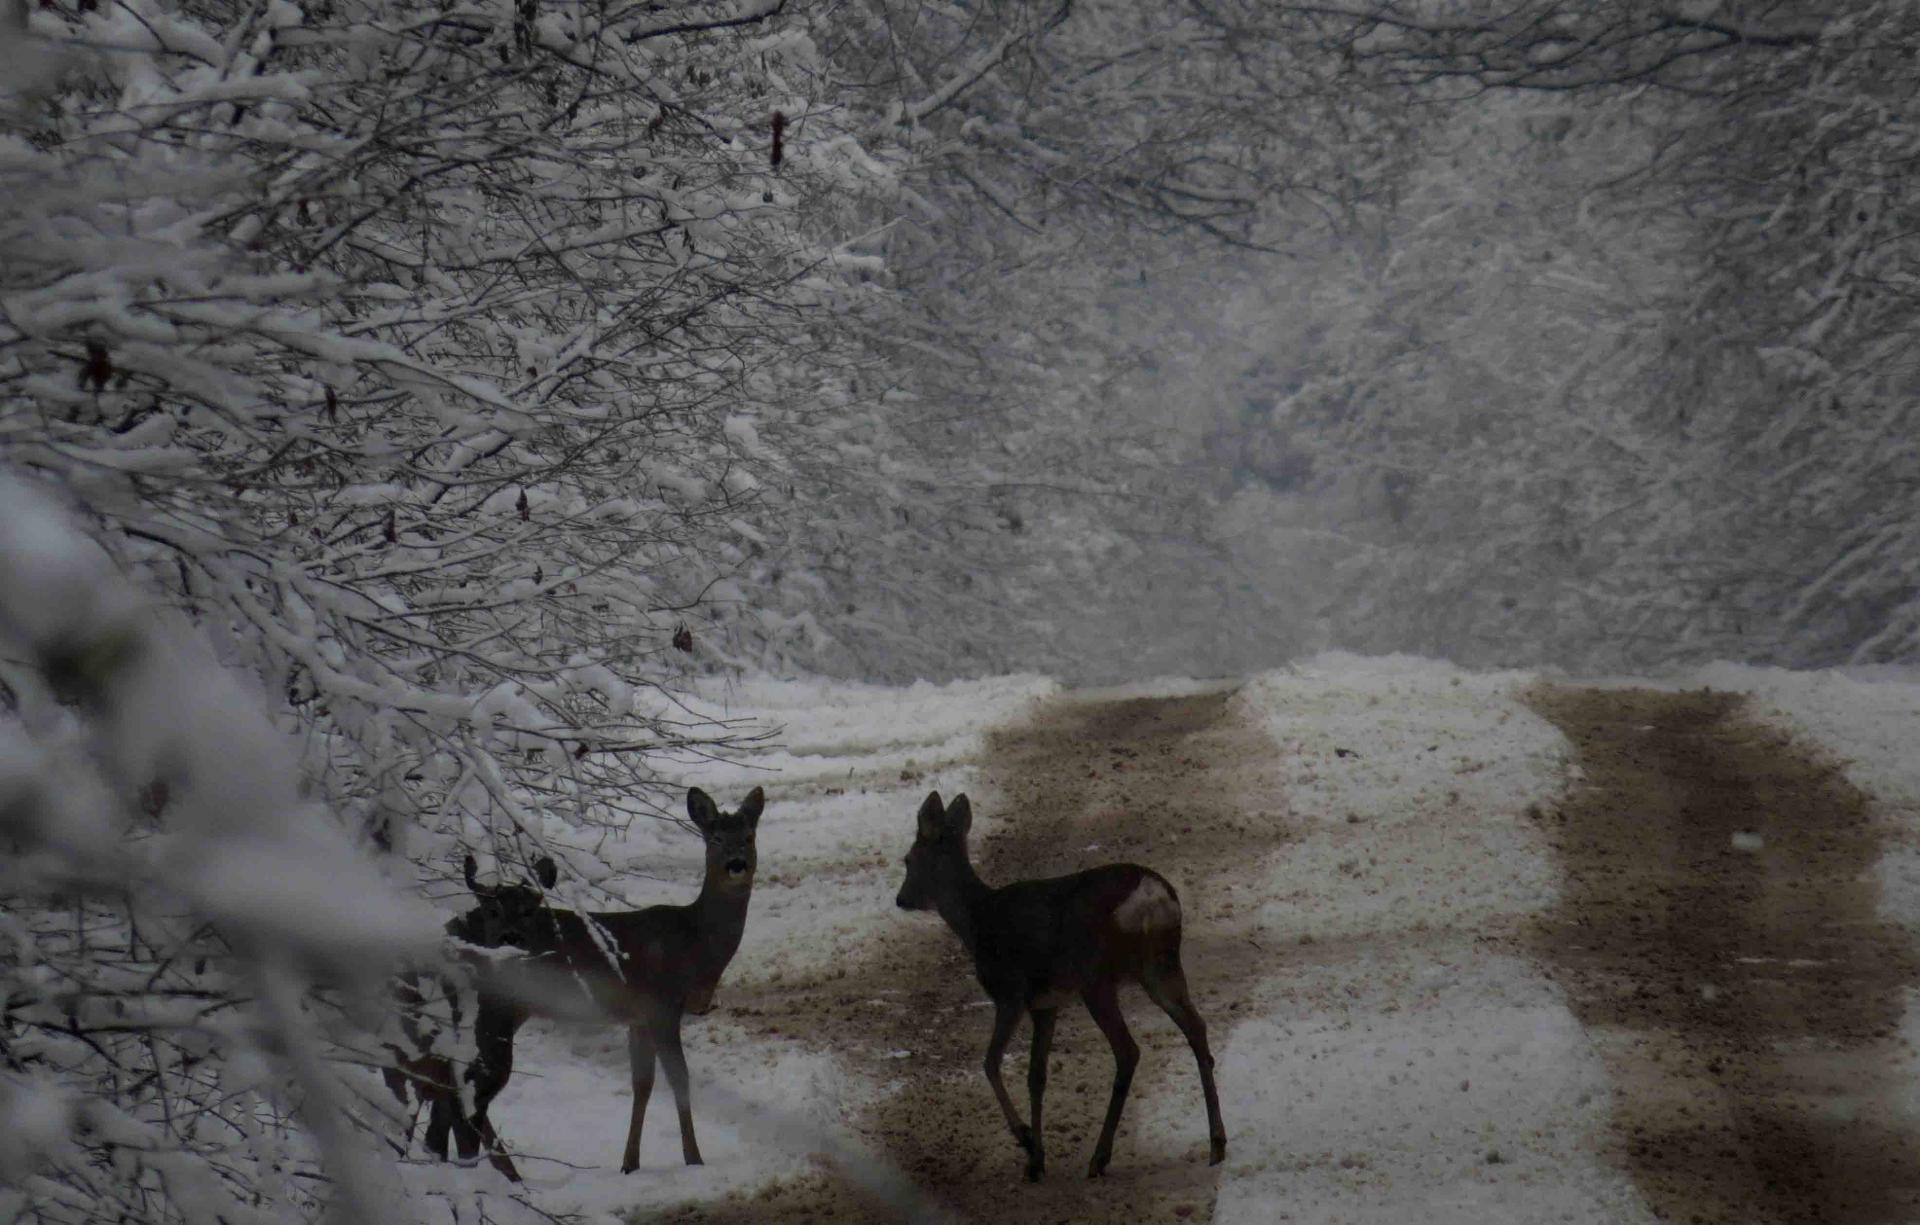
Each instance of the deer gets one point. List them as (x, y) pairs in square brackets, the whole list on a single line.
[(429, 1078), (645, 969), (1036, 944)]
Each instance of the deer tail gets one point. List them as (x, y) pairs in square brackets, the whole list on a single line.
[(1151, 908)]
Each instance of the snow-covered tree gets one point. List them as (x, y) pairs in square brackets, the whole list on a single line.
[(185, 975), (416, 352), (412, 356), (1010, 492), (1703, 255)]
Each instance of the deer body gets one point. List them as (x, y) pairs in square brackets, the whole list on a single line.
[(645, 969), (663, 953), (1037, 944), (428, 1077)]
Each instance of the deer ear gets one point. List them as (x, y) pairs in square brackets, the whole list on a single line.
[(931, 816), (749, 810), (472, 869), (960, 816), (701, 808), (545, 872)]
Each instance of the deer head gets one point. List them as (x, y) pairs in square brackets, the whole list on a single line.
[(939, 853), (507, 914), (729, 837)]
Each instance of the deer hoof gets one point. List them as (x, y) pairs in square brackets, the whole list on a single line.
[(1098, 1165), (1023, 1136), (1219, 1151), (1036, 1170)]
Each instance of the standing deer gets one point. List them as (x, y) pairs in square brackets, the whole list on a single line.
[(1037, 943), (427, 1077), (645, 969)]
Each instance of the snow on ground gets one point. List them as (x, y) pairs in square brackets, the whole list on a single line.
[(851, 765), (1406, 1072), (1870, 721), (1457, 1088), (1409, 782), (1406, 1060)]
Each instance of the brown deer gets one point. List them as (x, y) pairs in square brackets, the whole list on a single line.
[(428, 1077), (645, 969), (1038, 943)]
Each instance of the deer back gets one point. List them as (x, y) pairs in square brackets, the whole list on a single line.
[(623, 962), (1038, 939), (1054, 937), (630, 959)]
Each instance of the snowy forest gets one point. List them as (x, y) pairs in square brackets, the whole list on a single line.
[(408, 406)]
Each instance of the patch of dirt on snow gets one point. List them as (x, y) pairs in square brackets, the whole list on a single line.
[(1180, 784), (1718, 938)]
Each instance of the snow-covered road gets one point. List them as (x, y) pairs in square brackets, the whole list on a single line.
[(1718, 938)]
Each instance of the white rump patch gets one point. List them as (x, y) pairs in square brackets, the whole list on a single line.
[(1150, 907)]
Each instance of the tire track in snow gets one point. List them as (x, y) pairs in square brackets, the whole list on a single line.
[(1745, 996), (1169, 782)]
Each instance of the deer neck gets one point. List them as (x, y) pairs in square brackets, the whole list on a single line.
[(961, 898), (720, 914)]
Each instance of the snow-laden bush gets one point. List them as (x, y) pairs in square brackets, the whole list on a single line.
[(378, 389), (193, 950)]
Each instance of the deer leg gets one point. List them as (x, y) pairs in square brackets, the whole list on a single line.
[(439, 1125), (402, 1075), (397, 1085), (1169, 990), (447, 1112), (1043, 1019), (396, 1080), (493, 1031), (442, 1100), (1103, 1002), (466, 1137), (674, 1061), (1006, 1016), (444, 1115), (640, 1056)]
